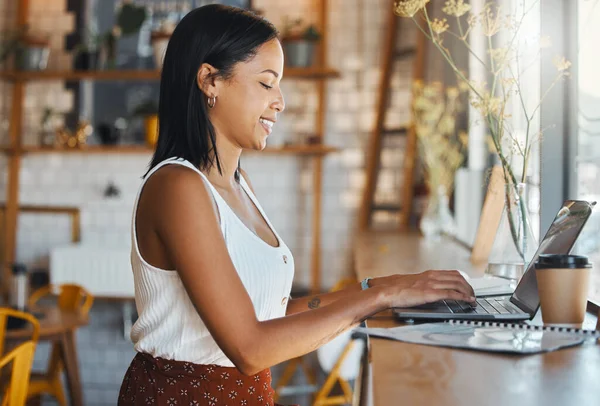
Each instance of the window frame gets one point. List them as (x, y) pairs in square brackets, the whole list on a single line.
[(559, 147)]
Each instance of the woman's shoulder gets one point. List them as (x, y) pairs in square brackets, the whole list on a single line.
[(174, 185), (173, 177)]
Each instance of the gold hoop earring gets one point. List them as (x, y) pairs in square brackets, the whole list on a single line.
[(212, 101)]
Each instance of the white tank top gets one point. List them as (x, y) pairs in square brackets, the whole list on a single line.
[(168, 325)]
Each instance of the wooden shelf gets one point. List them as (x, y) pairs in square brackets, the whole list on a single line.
[(310, 73), (81, 75), (142, 149), (297, 150), (299, 73), (91, 149)]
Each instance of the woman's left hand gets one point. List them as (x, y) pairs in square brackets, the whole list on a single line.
[(415, 280)]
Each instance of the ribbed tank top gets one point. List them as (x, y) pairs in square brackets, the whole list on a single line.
[(168, 325)]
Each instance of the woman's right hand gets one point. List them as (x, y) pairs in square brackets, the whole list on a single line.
[(427, 287)]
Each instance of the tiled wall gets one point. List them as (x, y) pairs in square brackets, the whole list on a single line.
[(282, 183)]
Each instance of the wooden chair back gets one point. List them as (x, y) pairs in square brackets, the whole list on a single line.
[(71, 297), (22, 359), (5, 313)]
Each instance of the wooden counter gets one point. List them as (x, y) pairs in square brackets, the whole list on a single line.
[(409, 374)]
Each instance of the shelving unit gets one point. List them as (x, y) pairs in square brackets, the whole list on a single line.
[(15, 76), (15, 150), (143, 149), (391, 55)]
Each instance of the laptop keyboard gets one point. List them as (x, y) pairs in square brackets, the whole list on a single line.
[(483, 306)]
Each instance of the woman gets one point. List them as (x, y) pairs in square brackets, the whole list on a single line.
[(212, 276)]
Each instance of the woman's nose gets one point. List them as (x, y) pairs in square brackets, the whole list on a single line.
[(279, 104)]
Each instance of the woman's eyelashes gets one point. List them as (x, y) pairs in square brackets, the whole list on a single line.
[(266, 86)]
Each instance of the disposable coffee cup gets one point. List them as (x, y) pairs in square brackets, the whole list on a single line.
[(563, 282)]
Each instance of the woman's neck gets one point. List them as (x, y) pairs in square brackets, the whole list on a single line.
[(229, 156)]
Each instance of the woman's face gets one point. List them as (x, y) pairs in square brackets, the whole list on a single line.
[(248, 103)]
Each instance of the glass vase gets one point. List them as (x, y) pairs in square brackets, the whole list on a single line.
[(437, 218), (514, 245)]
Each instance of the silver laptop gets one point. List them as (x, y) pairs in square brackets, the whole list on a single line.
[(524, 302)]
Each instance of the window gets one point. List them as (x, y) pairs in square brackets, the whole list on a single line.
[(587, 126)]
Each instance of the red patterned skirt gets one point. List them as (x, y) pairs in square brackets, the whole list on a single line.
[(157, 381)]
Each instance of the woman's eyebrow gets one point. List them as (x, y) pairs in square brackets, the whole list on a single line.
[(271, 71)]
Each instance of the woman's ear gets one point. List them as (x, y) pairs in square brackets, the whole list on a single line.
[(206, 79)]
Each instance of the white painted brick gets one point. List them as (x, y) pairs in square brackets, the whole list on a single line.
[(367, 120), (344, 122), (356, 179), (372, 77), (336, 101), (350, 200)]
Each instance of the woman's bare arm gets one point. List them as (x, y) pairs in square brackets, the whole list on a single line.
[(187, 225), (447, 279), (312, 302), (439, 279)]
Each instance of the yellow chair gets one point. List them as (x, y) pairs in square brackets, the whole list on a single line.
[(336, 374), (351, 352), (6, 312), (71, 298), (322, 394), (21, 357)]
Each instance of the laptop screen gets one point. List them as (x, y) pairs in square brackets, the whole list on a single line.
[(559, 239)]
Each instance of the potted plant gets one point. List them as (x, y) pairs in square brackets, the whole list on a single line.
[(87, 52), (110, 134), (9, 44), (148, 110), (86, 58), (129, 20), (50, 122), (298, 42), (442, 150), (31, 51)]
